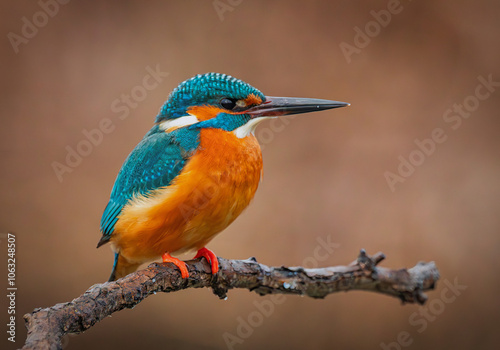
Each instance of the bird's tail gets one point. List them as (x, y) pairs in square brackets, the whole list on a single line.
[(122, 267)]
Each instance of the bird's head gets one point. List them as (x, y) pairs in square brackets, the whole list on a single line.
[(215, 100)]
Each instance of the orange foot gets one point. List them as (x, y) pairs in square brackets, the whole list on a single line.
[(180, 264), (211, 258)]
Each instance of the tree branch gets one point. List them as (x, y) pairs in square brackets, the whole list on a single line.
[(46, 327)]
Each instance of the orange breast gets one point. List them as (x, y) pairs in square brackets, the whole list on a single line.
[(215, 186)]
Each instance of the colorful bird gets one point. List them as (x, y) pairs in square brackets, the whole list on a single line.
[(193, 173)]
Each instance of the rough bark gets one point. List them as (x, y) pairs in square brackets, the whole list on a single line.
[(46, 327)]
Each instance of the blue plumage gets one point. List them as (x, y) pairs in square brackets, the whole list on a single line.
[(154, 163), (161, 156)]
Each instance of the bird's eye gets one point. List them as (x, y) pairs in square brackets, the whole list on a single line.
[(228, 103)]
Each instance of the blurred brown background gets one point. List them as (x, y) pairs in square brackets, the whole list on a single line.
[(324, 172)]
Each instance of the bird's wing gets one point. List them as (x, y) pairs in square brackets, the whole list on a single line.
[(154, 163)]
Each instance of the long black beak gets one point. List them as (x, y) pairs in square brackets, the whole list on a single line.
[(277, 106)]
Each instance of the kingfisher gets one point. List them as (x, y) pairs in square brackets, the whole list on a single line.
[(193, 173)]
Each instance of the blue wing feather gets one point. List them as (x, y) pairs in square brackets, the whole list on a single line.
[(154, 163)]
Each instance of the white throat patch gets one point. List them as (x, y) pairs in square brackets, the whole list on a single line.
[(248, 128)]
